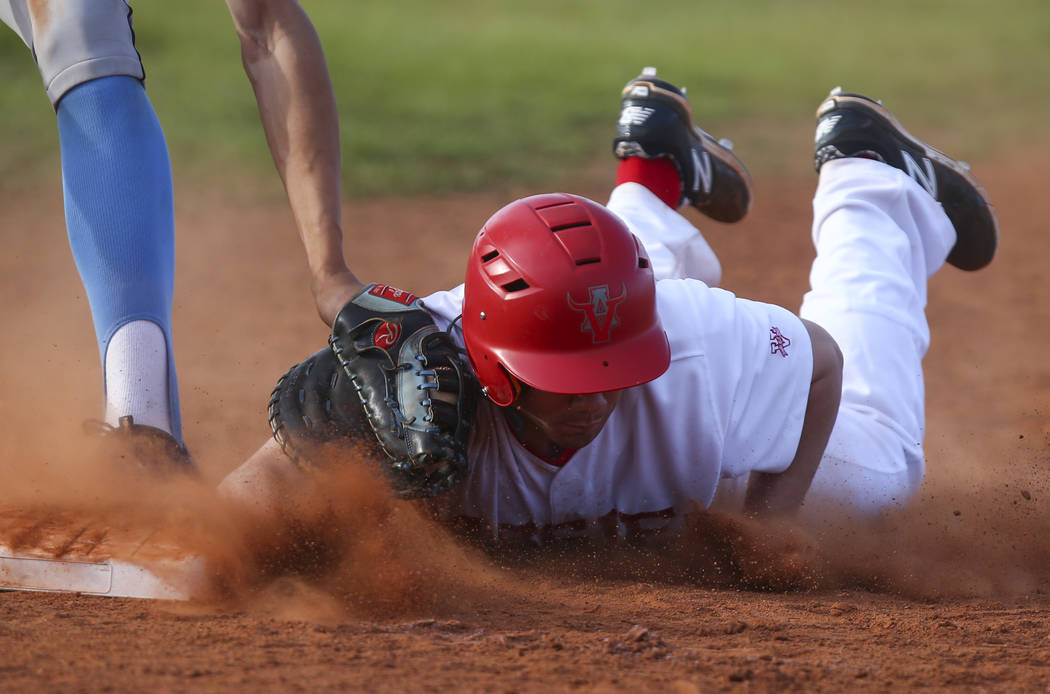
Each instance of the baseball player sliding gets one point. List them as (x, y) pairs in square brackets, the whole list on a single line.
[(616, 386)]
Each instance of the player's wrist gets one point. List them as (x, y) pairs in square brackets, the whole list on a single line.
[(332, 292)]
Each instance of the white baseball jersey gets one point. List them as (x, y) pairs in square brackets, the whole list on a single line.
[(74, 41)]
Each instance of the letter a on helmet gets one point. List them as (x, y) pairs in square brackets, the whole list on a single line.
[(560, 295)]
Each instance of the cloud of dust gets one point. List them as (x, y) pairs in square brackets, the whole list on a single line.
[(979, 535), (341, 534), (983, 541), (337, 544)]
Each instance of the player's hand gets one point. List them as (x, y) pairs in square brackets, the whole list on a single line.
[(770, 554), (777, 554), (333, 291)]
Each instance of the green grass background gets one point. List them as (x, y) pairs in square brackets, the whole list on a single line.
[(466, 95)]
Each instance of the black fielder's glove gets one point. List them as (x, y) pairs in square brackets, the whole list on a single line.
[(391, 385), (314, 404), (417, 393)]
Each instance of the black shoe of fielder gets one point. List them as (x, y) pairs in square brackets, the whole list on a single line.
[(656, 120), (142, 447), (851, 125)]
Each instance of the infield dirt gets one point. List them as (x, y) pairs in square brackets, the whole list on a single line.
[(949, 595)]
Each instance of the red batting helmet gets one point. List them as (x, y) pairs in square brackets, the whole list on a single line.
[(559, 294)]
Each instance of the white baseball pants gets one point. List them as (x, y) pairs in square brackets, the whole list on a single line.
[(879, 236), (74, 41)]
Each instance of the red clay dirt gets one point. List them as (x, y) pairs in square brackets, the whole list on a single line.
[(948, 595)]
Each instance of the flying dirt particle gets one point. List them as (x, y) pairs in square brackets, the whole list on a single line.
[(637, 633), (956, 513), (639, 641), (838, 609), (1026, 495)]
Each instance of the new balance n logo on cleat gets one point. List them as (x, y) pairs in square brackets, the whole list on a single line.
[(701, 171), (924, 176), (635, 115)]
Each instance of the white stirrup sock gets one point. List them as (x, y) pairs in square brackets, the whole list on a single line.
[(136, 370)]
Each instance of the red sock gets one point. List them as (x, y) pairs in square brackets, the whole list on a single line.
[(658, 175)]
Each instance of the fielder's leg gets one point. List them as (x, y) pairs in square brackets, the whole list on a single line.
[(118, 194), (119, 214)]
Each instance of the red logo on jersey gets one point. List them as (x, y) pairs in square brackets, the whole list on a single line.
[(386, 335), (599, 311), (385, 291), (778, 343)]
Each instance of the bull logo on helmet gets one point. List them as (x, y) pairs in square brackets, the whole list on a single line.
[(599, 311)]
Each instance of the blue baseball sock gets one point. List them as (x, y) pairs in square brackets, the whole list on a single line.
[(116, 178)]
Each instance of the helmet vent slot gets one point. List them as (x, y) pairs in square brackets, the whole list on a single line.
[(489, 256), (588, 261), (572, 225), (643, 263), (515, 286)]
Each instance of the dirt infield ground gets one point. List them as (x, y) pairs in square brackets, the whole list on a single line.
[(950, 595)]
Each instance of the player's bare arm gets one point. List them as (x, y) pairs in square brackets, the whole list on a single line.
[(259, 483), (781, 493), (283, 59)]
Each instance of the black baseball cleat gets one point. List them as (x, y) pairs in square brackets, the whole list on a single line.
[(656, 120), (851, 125), (142, 447)]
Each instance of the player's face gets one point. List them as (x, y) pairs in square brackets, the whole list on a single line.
[(564, 421)]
